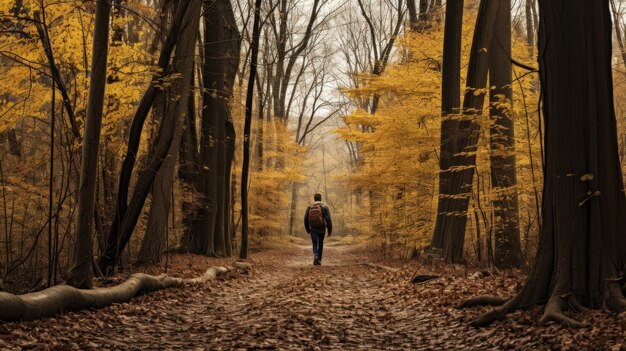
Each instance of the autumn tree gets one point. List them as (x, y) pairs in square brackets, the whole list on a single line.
[(183, 36), (463, 160), (450, 110), (80, 274), (508, 252), (581, 255)]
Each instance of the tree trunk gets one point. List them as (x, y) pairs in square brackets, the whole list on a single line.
[(228, 195), (80, 274), (582, 244), (232, 51), (139, 119), (464, 155), (154, 241), (508, 251), (293, 207), (530, 28), (182, 66), (618, 32), (245, 168), (413, 16), (209, 230), (450, 110)]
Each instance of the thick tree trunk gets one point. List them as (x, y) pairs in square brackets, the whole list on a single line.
[(508, 251), (450, 111), (582, 246), (176, 108), (80, 274), (464, 160), (208, 234), (153, 243), (138, 122), (213, 81)]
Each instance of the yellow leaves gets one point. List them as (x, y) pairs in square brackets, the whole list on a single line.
[(586, 177)]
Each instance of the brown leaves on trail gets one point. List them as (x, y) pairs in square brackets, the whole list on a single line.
[(285, 302)]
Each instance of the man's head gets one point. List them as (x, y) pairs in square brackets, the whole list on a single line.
[(317, 197)]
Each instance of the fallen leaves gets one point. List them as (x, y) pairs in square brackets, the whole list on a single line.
[(285, 302)]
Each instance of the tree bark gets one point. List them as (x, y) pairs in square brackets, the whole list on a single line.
[(464, 156), (80, 274), (138, 121), (245, 168), (201, 238), (508, 251), (450, 111), (182, 65), (208, 234), (582, 244), (154, 241)]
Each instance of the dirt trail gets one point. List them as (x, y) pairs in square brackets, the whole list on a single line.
[(287, 303)]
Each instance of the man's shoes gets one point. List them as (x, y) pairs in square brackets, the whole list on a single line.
[(316, 262)]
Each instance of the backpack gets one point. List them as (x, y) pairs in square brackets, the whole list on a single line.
[(316, 217)]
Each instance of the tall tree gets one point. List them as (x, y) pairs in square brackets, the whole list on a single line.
[(450, 110), (136, 128), (182, 66), (245, 169), (209, 233), (81, 273), (582, 245), (155, 237), (508, 252), (454, 214)]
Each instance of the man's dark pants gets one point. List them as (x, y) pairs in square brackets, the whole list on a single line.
[(318, 244)]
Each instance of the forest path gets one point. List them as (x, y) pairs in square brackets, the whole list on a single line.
[(285, 302)]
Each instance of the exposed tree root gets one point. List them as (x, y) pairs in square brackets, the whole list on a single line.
[(60, 298), (485, 300), (554, 312), (485, 319)]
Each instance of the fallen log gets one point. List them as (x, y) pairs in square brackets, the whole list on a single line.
[(61, 298)]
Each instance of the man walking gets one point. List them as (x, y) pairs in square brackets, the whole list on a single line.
[(316, 221)]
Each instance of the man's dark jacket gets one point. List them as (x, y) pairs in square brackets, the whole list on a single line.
[(325, 213)]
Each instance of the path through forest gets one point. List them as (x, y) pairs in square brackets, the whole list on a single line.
[(284, 302)]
